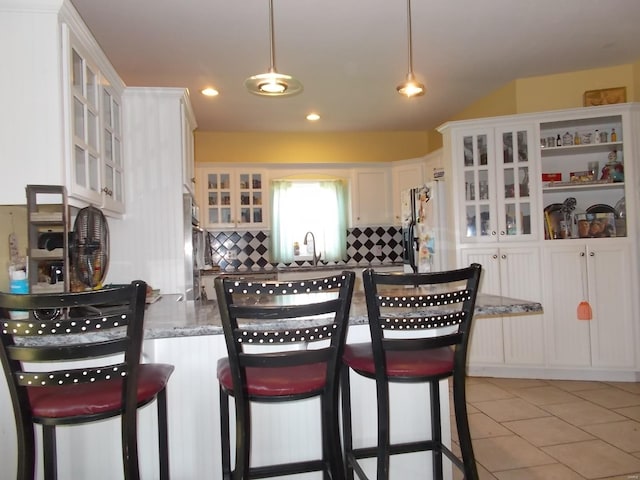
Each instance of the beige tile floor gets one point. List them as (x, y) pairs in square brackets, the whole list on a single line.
[(554, 429)]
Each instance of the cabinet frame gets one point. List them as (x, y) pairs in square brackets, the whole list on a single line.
[(239, 203)]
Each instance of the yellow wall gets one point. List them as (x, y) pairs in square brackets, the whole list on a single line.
[(553, 92), (500, 102), (565, 90), (348, 147)]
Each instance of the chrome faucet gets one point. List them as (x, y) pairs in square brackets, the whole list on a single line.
[(316, 257)]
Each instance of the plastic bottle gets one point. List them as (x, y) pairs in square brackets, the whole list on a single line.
[(596, 136), (19, 284), (296, 249), (614, 135), (576, 139)]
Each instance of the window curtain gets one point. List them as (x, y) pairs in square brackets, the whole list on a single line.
[(302, 206)]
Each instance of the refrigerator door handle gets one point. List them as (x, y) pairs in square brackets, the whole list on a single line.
[(412, 246)]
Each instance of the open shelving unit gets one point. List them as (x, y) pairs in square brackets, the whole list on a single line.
[(48, 238)]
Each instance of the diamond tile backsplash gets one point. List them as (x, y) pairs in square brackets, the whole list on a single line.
[(245, 251)]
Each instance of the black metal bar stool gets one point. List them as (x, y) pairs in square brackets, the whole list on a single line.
[(420, 326), (275, 316), (104, 327)]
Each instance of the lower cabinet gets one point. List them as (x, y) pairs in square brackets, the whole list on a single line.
[(598, 272), (515, 340)]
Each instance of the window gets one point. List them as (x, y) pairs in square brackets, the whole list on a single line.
[(301, 206)]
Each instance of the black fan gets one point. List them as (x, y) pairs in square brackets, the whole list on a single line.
[(90, 248)]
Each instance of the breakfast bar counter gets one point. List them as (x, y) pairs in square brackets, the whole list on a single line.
[(171, 317), (188, 335)]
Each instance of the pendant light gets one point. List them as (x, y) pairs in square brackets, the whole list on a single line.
[(272, 83), (411, 87)]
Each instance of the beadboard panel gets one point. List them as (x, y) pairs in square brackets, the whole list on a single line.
[(148, 243)]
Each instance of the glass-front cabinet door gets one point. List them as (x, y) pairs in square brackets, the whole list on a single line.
[(113, 166), (479, 184), (235, 199), (496, 165), (514, 193), (85, 86), (218, 200), (250, 198)]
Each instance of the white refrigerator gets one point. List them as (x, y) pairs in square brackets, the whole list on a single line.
[(423, 227)]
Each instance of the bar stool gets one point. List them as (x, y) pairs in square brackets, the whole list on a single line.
[(103, 327), (419, 326), (261, 322)]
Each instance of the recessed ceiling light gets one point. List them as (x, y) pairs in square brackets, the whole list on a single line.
[(312, 117), (210, 92)]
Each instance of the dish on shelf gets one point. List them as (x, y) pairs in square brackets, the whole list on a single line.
[(602, 208)]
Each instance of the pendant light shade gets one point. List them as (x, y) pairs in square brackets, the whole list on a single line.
[(272, 83), (411, 87)]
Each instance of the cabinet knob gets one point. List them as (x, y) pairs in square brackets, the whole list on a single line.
[(591, 254), (503, 256), (502, 232), (107, 191), (582, 254), (494, 256)]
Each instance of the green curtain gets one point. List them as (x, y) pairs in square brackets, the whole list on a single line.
[(299, 206)]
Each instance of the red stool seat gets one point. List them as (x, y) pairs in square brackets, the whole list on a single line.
[(277, 382), (408, 363)]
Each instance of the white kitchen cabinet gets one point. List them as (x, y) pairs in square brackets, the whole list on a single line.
[(233, 197), (370, 197), (512, 271), (596, 271), (405, 175), (68, 132), (188, 148), (492, 169), (95, 168), (573, 266)]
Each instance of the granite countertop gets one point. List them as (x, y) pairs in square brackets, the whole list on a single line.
[(172, 317)]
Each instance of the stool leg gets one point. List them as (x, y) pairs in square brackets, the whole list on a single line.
[(345, 391), (163, 442), (49, 452), (462, 424), (243, 437), (382, 391), (225, 440), (331, 450), (26, 451), (436, 427)]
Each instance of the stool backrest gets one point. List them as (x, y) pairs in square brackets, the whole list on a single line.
[(102, 328), (285, 317), (417, 311)]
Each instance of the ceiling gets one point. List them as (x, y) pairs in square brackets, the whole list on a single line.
[(351, 54)]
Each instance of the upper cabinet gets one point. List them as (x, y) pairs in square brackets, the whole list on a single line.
[(61, 108), (371, 189), (492, 167), (233, 197), (94, 163), (405, 175), (188, 148)]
